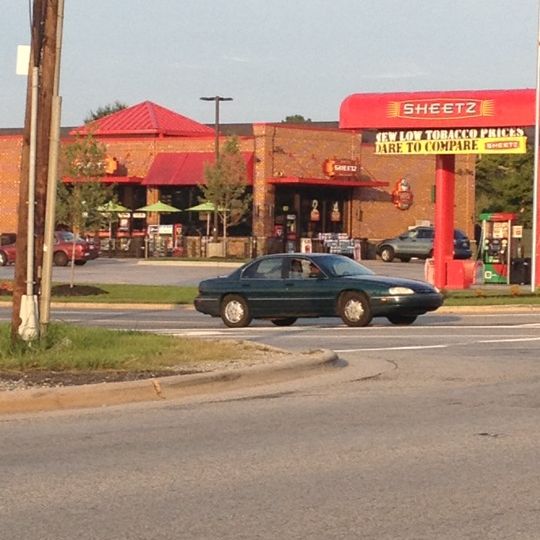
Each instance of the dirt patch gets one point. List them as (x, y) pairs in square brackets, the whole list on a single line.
[(21, 380), (77, 290), (49, 379)]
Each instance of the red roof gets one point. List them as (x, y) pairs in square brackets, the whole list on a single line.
[(186, 168), (146, 118), (334, 182)]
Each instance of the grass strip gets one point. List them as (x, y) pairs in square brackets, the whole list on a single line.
[(116, 293), (74, 348)]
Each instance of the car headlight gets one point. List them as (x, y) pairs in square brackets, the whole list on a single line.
[(400, 290)]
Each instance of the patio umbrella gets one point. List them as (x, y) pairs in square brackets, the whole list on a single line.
[(159, 207), (111, 208), (204, 207)]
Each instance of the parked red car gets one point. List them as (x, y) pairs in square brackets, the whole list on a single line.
[(7, 254), (62, 250)]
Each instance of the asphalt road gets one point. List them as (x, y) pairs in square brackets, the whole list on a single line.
[(442, 444)]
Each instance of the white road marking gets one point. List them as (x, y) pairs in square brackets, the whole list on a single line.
[(509, 340), (403, 348)]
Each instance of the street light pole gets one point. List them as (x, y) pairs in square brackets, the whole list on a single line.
[(216, 100)]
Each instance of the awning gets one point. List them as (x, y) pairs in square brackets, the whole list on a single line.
[(186, 168), (335, 182)]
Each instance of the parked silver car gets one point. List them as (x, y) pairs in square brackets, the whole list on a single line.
[(418, 242)]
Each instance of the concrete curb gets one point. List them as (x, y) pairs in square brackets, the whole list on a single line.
[(175, 386), (503, 308)]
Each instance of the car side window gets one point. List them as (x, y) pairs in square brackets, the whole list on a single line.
[(296, 270), (303, 269), (264, 269)]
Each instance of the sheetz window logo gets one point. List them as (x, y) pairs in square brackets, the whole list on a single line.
[(441, 109)]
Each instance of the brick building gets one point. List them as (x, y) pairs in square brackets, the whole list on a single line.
[(306, 180)]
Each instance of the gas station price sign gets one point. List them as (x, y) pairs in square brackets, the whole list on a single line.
[(451, 141)]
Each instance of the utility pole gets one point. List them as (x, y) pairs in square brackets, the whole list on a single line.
[(52, 180), (34, 166)]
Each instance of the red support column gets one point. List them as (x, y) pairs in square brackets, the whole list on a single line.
[(535, 280), (443, 246)]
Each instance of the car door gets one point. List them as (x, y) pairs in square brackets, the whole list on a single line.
[(407, 244), (304, 290), (424, 242), (262, 285)]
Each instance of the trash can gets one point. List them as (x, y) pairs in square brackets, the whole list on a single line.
[(520, 271)]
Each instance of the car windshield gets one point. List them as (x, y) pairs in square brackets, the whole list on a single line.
[(66, 236), (340, 266)]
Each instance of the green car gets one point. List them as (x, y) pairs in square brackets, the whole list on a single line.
[(286, 286)]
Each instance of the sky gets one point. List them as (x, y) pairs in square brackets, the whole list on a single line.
[(275, 58)]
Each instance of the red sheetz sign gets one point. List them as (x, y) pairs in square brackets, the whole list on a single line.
[(341, 168), (441, 109), (412, 110)]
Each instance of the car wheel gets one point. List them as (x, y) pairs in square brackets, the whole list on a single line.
[(80, 263), (404, 259), (387, 254), (402, 320), (355, 309), (3, 259), (286, 321), (235, 311), (60, 258)]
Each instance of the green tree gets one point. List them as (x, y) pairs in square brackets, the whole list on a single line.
[(504, 183), (78, 201), (296, 119), (226, 185), (100, 112)]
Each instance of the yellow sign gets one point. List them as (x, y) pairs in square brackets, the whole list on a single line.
[(452, 141), (491, 145)]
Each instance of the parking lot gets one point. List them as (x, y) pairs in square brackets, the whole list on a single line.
[(184, 273)]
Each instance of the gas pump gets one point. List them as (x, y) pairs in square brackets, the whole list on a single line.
[(496, 246)]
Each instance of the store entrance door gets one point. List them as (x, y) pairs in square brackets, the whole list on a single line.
[(318, 211)]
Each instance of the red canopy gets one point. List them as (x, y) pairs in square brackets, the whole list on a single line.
[(335, 182), (186, 168), (455, 108)]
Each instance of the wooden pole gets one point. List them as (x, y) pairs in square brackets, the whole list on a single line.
[(43, 51)]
